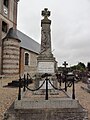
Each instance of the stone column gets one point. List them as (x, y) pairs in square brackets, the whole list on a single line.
[(45, 33), (0, 44), (45, 58)]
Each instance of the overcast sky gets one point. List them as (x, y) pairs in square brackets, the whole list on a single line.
[(70, 27)]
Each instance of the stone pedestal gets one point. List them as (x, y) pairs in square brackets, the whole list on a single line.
[(42, 91), (55, 109)]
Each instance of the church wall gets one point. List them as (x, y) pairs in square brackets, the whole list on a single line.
[(8, 14), (0, 5), (10, 17), (21, 66), (15, 14), (11, 13), (0, 60), (11, 6), (10, 23), (10, 58), (32, 67), (2, 35), (1, 2), (0, 43)]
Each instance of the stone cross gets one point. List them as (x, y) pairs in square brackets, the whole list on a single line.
[(65, 64), (45, 13)]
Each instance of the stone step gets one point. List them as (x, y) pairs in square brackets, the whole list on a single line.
[(40, 103), (22, 113)]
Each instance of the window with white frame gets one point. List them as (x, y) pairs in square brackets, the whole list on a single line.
[(27, 58)]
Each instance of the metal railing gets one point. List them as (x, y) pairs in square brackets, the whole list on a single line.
[(23, 83)]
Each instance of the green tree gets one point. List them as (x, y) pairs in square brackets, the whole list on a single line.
[(81, 66), (73, 67)]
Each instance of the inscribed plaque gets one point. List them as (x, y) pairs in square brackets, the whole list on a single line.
[(46, 67)]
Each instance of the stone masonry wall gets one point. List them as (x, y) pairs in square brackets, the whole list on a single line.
[(10, 56), (32, 67)]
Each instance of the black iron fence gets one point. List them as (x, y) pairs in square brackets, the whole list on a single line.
[(69, 81)]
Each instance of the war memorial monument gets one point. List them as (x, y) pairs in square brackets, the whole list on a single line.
[(46, 103)]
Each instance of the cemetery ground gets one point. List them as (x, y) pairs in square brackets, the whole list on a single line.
[(9, 94)]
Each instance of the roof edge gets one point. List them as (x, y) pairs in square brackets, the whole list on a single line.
[(12, 34)]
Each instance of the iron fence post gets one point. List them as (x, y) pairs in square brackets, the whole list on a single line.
[(60, 81), (73, 89), (24, 84), (27, 79), (19, 94), (65, 82), (46, 88)]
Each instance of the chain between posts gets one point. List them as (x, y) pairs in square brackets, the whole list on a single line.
[(47, 80), (36, 88)]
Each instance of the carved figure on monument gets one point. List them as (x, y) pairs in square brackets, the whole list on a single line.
[(45, 33), (46, 41)]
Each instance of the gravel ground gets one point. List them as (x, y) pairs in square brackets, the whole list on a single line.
[(83, 96), (8, 95)]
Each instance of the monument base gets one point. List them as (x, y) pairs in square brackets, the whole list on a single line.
[(42, 91), (53, 103), (64, 109)]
